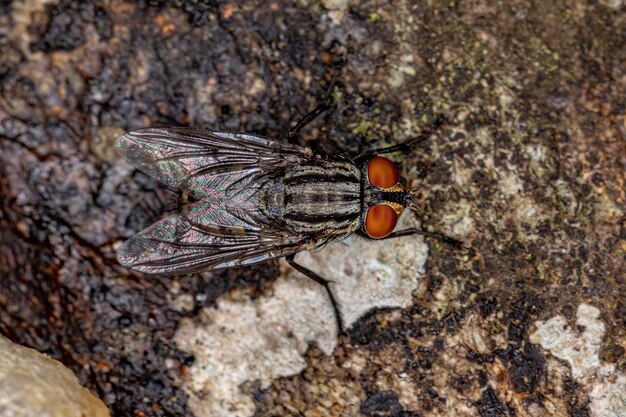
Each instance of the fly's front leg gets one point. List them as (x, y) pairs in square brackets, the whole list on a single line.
[(293, 133), (405, 146), (323, 282), (311, 116), (439, 236)]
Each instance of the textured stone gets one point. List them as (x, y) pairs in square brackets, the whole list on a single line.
[(247, 340), (32, 384), (606, 384), (528, 169)]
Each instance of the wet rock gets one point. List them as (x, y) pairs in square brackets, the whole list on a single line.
[(383, 403)]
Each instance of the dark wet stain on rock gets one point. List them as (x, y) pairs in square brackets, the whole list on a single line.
[(10, 56), (490, 405), (526, 366), (578, 405), (381, 403), (64, 30)]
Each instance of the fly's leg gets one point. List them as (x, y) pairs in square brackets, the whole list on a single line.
[(323, 282), (293, 133), (311, 116), (439, 236), (405, 146)]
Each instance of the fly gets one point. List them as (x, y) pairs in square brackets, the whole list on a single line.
[(248, 199)]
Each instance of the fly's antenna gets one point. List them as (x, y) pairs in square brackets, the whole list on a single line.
[(410, 202), (409, 199)]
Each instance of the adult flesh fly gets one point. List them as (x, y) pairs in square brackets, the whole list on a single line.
[(247, 199)]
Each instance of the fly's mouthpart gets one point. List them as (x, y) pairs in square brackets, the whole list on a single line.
[(409, 200), (413, 192)]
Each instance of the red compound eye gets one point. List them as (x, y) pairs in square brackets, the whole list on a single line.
[(382, 173), (380, 221)]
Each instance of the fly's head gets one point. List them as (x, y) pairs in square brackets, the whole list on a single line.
[(384, 197)]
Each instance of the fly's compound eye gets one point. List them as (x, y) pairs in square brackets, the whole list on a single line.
[(380, 221), (381, 172)]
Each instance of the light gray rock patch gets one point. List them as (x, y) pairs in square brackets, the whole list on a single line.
[(607, 385), (263, 339)]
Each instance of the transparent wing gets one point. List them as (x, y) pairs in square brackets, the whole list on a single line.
[(208, 164), (207, 236), (225, 227)]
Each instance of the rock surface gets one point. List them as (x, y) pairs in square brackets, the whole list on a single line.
[(31, 384), (529, 170), (245, 340)]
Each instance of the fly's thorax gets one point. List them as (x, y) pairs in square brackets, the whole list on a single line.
[(323, 197), (272, 199)]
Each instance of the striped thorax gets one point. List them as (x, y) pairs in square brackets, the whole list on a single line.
[(334, 197)]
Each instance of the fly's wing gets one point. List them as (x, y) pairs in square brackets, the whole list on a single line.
[(225, 228), (207, 163), (207, 236)]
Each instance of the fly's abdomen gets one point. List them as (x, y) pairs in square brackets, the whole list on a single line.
[(323, 198)]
